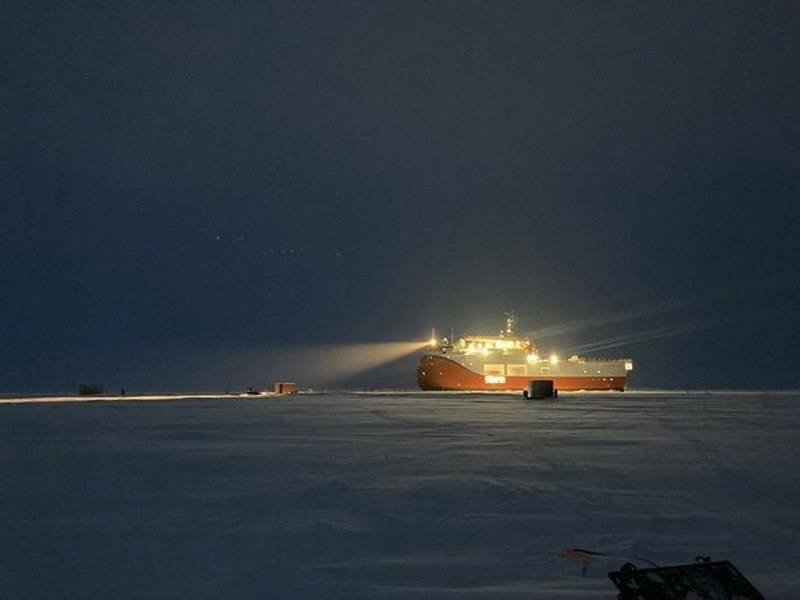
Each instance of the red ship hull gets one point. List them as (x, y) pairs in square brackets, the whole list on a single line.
[(442, 374)]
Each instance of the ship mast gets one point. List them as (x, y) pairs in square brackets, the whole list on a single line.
[(511, 323)]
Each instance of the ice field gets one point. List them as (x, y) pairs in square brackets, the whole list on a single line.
[(393, 495)]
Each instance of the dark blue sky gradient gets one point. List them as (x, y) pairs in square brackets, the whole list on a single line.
[(179, 179)]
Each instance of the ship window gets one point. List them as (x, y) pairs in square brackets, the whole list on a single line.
[(516, 370)]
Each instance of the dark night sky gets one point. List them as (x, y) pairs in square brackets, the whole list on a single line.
[(183, 179)]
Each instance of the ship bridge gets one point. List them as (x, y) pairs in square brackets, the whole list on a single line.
[(475, 344), (506, 342)]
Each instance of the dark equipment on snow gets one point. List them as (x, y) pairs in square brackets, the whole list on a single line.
[(91, 389), (539, 389), (706, 580)]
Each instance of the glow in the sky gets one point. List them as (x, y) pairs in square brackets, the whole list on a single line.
[(608, 319), (338, 362), (307, 365), (641, 336)]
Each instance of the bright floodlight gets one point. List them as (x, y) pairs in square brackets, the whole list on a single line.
[(432, 342), (553, 359), (532, 358)]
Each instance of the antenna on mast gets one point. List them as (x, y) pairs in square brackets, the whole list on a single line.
[(511, 323)]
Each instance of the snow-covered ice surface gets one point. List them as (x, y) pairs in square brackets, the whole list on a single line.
[(393, 495)]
